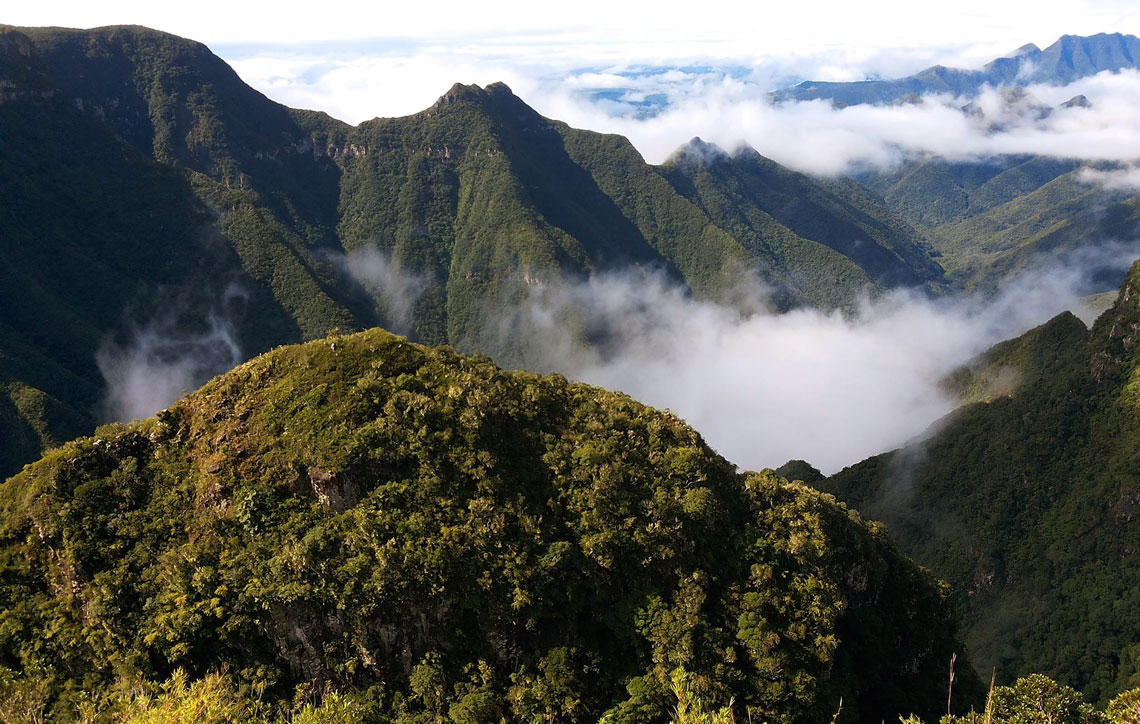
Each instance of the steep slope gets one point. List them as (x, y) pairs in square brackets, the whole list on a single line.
[(820, 238), (491, 199), (245, 157), (1028, 503), (478, 197), (1070, 58), (370, 515), (91, 230)]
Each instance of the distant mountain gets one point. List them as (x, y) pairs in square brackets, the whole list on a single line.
[(990, 220), (1070, 58), (1027, 500), (146, 192), (448, 541)]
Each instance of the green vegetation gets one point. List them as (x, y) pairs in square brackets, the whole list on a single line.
[(1037, 699), (185, 188), (989, 221), (1026, 501), (364, 529), (819, 240), (448, 541)]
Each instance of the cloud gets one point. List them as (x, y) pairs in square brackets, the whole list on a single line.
[(721, 98), (158, 361), (817, 138), (394, 288), (829, 388), (1126, 179)]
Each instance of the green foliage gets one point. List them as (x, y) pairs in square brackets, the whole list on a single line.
[(691, 709), (1034, 699), (1026, 503), (209, 700), (183, 184), (373, 516), (1125, 708)]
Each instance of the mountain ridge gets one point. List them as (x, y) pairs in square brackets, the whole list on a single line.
[(1069, 58), (1025, 500), (261, 214)]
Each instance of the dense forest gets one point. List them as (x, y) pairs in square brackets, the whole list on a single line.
[(369, 516), (1025, 500)]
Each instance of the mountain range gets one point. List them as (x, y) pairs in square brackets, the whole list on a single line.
[(455, 542), (198, 207), (1070, 58)]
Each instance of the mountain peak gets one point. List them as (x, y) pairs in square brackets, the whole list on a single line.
[(698, 151), (460, 93)]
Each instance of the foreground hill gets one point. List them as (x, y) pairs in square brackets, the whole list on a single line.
[(1070, 58), (371, 515), (1027, 501), (144, 186)]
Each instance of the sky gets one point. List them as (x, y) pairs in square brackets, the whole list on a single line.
[(361, 60), (706, 69)]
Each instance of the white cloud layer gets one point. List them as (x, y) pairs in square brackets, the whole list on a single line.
[(823, 387), (748, 28), (728, 105)]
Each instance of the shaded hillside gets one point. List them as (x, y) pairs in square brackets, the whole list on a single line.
[(144, 186), (372, 516), (92, 231), (854, 240), (1070, 58), (1028, 503)]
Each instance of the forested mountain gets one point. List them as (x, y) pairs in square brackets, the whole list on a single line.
[(1026, 500), (450, 542), (144, 186), (991, 219), (1070, 58), (435, 539)]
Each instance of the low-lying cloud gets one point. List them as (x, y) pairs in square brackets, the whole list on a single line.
[(829, 388), (155, 363), (1124, 179), (394, 288)]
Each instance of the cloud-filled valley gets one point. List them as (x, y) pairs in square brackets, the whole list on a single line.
[(830, 388)]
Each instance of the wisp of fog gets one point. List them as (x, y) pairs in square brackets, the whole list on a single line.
[(160, 361)]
